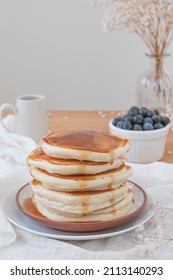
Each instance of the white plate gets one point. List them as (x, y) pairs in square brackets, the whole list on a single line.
[(17, 218)]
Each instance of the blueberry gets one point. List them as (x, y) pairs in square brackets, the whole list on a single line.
[(143, 111), (114, 122), (158, 125), (119, 124), (148, 120), (165, 120), (156, 118), (133, 111), (148, 126), (138, 119), (127, 125), (128, 118), (150, 114), (137, 127), (156, 112)]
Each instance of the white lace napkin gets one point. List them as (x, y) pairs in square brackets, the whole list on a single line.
[(13, 171)]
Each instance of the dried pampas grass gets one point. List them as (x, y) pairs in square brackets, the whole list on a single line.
[(151, 20)]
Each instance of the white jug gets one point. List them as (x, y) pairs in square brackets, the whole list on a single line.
[(31, 117)]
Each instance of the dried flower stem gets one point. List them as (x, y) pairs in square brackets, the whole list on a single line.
[(152, 20)]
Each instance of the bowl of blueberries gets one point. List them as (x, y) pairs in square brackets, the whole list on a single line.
[(146, 129)]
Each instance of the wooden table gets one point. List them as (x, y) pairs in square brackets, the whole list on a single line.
[(92, 120)]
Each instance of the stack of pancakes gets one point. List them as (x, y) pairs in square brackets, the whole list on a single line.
[(80, 176)]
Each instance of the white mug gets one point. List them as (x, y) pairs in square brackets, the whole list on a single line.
[(31, 117)]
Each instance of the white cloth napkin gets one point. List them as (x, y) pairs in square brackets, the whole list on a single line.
[(13, 151), (153, 240)]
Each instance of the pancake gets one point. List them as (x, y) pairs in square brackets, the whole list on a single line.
[(118, 210), (40, 160), (77, 202), (105, 180), (85, 145), (128, 197), (80, 176)]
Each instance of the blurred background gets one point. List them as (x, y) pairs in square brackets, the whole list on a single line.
[(58, 49)]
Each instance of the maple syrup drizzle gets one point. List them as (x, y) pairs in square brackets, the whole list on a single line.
[(112, 157), (30, 207), (85, 205), (131, 191), (112, 201), (88, 140), (82, 168), (112, 179), (110, 186), (82, 186)]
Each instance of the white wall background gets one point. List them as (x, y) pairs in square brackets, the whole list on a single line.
[(57, 48)]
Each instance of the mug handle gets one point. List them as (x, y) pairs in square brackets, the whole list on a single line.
[(4, 107)]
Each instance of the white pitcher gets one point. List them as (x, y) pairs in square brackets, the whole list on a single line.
[(31, 117)]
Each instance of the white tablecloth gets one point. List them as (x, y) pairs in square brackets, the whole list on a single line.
[(154, 240)]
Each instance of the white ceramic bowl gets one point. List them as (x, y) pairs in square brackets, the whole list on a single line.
[(146, 146)]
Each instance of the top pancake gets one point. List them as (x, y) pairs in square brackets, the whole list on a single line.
[(85, 145)]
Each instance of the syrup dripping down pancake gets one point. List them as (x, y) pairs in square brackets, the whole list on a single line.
[(89, 206), (103, 181), (40, 160)]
